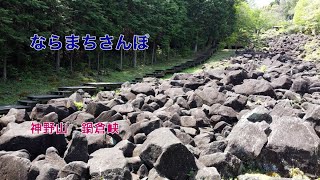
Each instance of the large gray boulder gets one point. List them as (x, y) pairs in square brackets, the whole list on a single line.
[(210, 95), (77, 168), (227, 164), (19, 136), (207, 173), (143, 88), (77, 148), (15, 167), (165, 152), (49, 166), (108, 163), (248, 136), (292, 143), (14, 115), (255, 87)]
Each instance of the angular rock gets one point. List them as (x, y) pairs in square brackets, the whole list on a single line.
[(126, 147), (98, 141), (77, 148), (138, 103), (283, 82), (77, 168), (299, 86), (247, 139), (227, 164), (225, 111), (258, 114), (208, 173), (174, 92), (255, 87), (154, 174), (184, 137), (164, 151), (204, 138), (313, 114), (123, 108), (5, 120), (143, 171), (213, 147), (108, 116), (236, 77), (41, 110), (134, 163), (105, 95), (139, 138), (284, 108), (51, 117), (19, 136), (96, 108), (14, 167), (210, 95), (236, 102), (188, 121), (78, 118), (20, 115), (143, 88), (49, 166), (292, 143), (108, 163)]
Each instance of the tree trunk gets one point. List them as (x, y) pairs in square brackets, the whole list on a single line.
[(103, 66), (209, 42), (5, 69), (135, 59), (168, 51), (155, 56), (153, 53), (89, 62), (71, 62), (144, 56), (121, 59), (98, 65), (196, 46), (57, 60)]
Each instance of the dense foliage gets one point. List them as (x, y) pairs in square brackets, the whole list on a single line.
[(174, 26), (290, 16), (307, 14)]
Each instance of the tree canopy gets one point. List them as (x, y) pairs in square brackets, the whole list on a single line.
[(173, 26)]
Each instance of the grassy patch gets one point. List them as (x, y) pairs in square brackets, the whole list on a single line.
[(131, 73), (312, 50), (213, 62)]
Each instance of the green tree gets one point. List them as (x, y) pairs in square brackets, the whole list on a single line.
[(307, 14)]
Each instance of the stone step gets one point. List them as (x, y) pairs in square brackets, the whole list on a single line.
[(105, 85), (63, 93), (75, 88), (44, 98), (26, 102)]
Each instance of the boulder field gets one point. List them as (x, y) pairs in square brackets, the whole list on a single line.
[(258, 111)]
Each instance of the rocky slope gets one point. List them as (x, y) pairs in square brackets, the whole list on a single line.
[(259, 111)]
